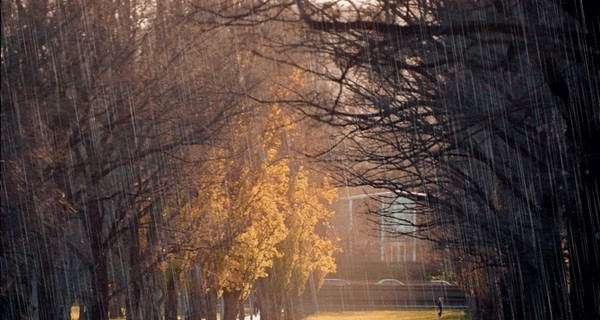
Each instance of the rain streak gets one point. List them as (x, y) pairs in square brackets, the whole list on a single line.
[(300, 159)]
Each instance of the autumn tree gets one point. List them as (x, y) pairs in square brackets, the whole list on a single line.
[(447, 103), (243, 213), (100, 109), (306, 252), (258, 208)]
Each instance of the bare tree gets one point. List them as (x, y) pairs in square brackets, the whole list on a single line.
[(456, 106), (101, 109)]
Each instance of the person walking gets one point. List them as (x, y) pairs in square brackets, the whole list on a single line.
[(440, 304)]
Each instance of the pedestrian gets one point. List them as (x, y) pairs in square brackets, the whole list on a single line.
[(440, 304)]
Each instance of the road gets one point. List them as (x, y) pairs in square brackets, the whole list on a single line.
[(372, 297)]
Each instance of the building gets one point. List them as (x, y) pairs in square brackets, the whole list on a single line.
[(369, 225)]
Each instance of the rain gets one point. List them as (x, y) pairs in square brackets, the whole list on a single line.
[(256, 159)]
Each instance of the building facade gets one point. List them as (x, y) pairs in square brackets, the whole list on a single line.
[(375, 225)]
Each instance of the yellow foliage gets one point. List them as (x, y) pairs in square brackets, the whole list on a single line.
[(260, 207)]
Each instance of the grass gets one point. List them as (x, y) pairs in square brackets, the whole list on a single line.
[(392, 315), (387, 315)]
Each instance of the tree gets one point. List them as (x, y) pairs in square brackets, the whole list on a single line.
[(259, 208), (114, 107), (244, 208), (460, 112), (306, 251)]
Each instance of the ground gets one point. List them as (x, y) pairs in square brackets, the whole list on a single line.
[(430, 314)]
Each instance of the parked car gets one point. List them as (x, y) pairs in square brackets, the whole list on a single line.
[(389, 282), (335, 282), (440, 283)]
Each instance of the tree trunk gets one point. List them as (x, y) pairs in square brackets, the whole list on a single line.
[(34, 310), (194, 295), (584, 249), (48, 297), (582, 115), (584, 252), (230, 303), (99, 299), (156, 294), (99, 271), (171, 301), (210, 303), (134, 288), (242, 311), (553, 280), (289, 307), (269, 305), (300, 307)]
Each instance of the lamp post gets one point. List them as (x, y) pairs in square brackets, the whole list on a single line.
[(75, 311)]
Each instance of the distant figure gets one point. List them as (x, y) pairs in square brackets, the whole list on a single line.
[(440, 304)]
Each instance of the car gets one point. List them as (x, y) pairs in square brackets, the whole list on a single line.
[(335, 282), (389, 282), (440, 282)]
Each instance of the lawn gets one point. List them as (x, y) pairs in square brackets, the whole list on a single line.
[(384, 315), (392, 315)]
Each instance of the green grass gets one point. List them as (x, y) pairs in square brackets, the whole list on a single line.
[(392, 315)]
